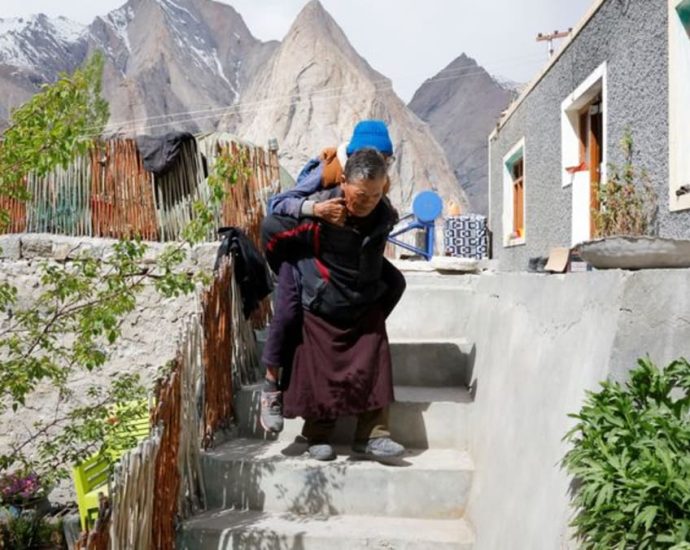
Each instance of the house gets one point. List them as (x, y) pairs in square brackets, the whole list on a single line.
[(626, 67)]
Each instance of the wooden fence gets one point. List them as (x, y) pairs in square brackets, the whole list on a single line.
[(160, 482), (108, 193), (121, 192)]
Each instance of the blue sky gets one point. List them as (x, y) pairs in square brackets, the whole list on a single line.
[(406, 40)]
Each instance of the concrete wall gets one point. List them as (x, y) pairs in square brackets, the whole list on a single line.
[(632, 37), (540, 343), (149, 335)]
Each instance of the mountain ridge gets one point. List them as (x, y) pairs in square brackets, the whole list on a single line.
[(195, 65), (461, 104), (326, 88)]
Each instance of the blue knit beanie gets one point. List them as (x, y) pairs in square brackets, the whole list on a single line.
[(371, 133)]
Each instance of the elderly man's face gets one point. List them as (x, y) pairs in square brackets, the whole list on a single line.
[(362, 196)]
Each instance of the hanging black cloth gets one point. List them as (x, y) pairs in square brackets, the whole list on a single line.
[(251, 270), (160, 153)]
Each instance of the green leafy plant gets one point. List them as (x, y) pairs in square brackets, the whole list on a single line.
[(30, 531), (631, 461), (52, 128), (627, 202)]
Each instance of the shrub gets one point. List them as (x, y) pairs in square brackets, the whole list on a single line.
[(31, 531), (627, 202), (631, 461)]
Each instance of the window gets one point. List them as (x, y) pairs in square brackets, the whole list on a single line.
[(591, 138), (518, 170), (679, 104), (583, 133), (514, 196)]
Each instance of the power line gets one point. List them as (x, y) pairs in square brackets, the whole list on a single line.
[(519, 60), (276, 98), (271, 102)]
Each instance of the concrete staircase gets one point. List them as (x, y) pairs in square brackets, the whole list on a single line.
[(263, 493)]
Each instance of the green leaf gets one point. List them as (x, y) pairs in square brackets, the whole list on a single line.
[(631, 455)]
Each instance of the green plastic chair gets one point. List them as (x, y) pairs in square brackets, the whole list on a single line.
[(92, 475), (90, 479), (125, 435)]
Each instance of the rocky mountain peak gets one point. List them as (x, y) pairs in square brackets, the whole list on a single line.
[(462, 60), (38, 42), (62, 28), (461, 105), (313, 91), (318, 43), (184, 64), (313, 13)]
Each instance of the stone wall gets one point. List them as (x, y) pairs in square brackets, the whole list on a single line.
[(149, 335)]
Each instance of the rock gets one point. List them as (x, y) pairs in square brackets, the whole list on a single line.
[(36, 246), (10, 247), (62, 251)]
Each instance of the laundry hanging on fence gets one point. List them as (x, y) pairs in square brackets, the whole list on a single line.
[(160, 153), (251, 270)]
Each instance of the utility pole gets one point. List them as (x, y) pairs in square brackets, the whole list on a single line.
[(551, 37)]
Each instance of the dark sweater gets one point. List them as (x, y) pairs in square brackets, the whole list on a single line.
[(340, 267)]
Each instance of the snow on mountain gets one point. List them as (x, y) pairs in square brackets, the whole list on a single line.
[(509, 85), (183, 64), (118, 20), (38, 41)]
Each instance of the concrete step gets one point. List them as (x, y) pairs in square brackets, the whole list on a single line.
[(432, 362), (275, 477), (435, 309), (421, 418), (248, 530), (426, 362)]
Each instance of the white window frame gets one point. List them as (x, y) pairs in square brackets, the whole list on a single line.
[(594, 85), (679, 108), (516, 152)]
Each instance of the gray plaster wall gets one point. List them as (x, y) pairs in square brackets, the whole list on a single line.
[(632, 37), (149, 334), (539, 343)]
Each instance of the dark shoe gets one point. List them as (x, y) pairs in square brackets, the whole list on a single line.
[(321, 451), (379, 448), (271, 416)]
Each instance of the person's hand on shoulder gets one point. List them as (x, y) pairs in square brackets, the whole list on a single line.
[(332, 211)]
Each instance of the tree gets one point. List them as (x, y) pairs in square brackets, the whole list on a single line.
[(78, 313)]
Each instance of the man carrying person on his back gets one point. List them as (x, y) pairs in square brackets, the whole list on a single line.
[(325, 172), (342, 358)]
